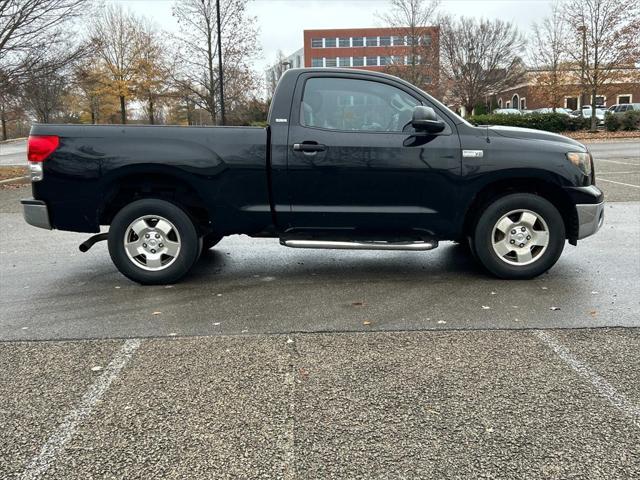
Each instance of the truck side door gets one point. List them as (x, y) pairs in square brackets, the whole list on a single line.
[(355, 162)]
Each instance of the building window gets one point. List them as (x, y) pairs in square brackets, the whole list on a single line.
[(515, 101), (523, 103), (385, 61), (344, 42), (624, 99), (316, 43), (385, 41), (329, 43), (428, 80), (358, 61), (330, 62), (398, 40), (316, 62), (425, 40), (601, 101), (357, 42), (571, 103), (371, 61), (499, 103), (397, 60), (508, 104), (298, 61), (411, 40), (372, 41), (344, 61)]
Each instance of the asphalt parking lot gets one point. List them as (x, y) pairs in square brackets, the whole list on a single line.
[(277, 363)]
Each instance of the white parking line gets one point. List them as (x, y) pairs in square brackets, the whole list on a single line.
[(65, 431), (617, 161), (637, 172), (9, 180), (617, 183), (604, 388)]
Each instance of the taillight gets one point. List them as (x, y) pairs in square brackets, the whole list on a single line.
[(39, 147)]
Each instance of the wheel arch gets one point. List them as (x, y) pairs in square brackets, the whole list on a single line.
[(131, 184), (545, 189)]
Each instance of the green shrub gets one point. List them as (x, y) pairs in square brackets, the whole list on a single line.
[(630, 120), (578, 123), (550, 122), (612, 122)]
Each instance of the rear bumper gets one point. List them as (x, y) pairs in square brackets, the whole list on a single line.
[(36, 213), (590, 218)]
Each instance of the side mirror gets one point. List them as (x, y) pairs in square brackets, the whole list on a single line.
[(425, 120)]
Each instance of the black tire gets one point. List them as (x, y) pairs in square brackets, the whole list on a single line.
[(542, 259), (211, 240), (188, 240)]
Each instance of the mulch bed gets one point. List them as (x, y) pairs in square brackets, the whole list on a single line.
[(12, 172), (602, 135)]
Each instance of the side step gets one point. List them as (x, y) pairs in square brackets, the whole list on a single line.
[(360, 245)]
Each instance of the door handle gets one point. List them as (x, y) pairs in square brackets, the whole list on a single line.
[(308, 147)]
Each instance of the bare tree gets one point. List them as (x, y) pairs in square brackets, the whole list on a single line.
[(29, 31), (43, 90), (115, 33), (413, 19), (199, 51), (548, 54), (480, 57), (606, 37)]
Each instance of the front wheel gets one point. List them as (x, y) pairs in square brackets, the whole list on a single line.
[(153, 242), (519, 236)]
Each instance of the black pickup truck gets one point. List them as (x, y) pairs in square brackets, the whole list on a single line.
[(351, 159)]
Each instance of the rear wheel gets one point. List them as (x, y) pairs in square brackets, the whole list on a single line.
[(519, 236), (153, 241)]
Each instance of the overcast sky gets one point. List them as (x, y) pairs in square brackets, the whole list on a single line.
[(282, 22)]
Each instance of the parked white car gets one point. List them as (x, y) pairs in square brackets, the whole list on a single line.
[(600, 113), (562, 111), (507, 111)]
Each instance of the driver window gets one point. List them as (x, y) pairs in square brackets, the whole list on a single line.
[(355, 105)]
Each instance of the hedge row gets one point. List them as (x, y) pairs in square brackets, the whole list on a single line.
[(551, 122), (629, 120)]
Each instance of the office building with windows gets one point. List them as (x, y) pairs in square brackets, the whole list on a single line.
[(378, 49)]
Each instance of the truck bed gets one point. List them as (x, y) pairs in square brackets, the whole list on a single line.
[(225, 166)]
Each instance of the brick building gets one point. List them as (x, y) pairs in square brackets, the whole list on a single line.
[(379, 49), (534, 93)]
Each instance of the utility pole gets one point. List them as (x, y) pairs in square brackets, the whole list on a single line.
[(220, 73)]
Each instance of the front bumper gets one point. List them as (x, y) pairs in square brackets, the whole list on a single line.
[(36, 213), (590, 218)]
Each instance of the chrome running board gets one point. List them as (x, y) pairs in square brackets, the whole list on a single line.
[(360, 245)]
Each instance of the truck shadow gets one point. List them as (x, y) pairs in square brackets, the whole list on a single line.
[(449, 259)]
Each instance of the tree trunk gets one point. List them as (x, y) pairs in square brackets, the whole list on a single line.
[(123, 110), (150, 110), (4, 124), (594, 119)]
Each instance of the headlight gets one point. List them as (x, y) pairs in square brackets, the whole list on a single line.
[(581, 160)]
